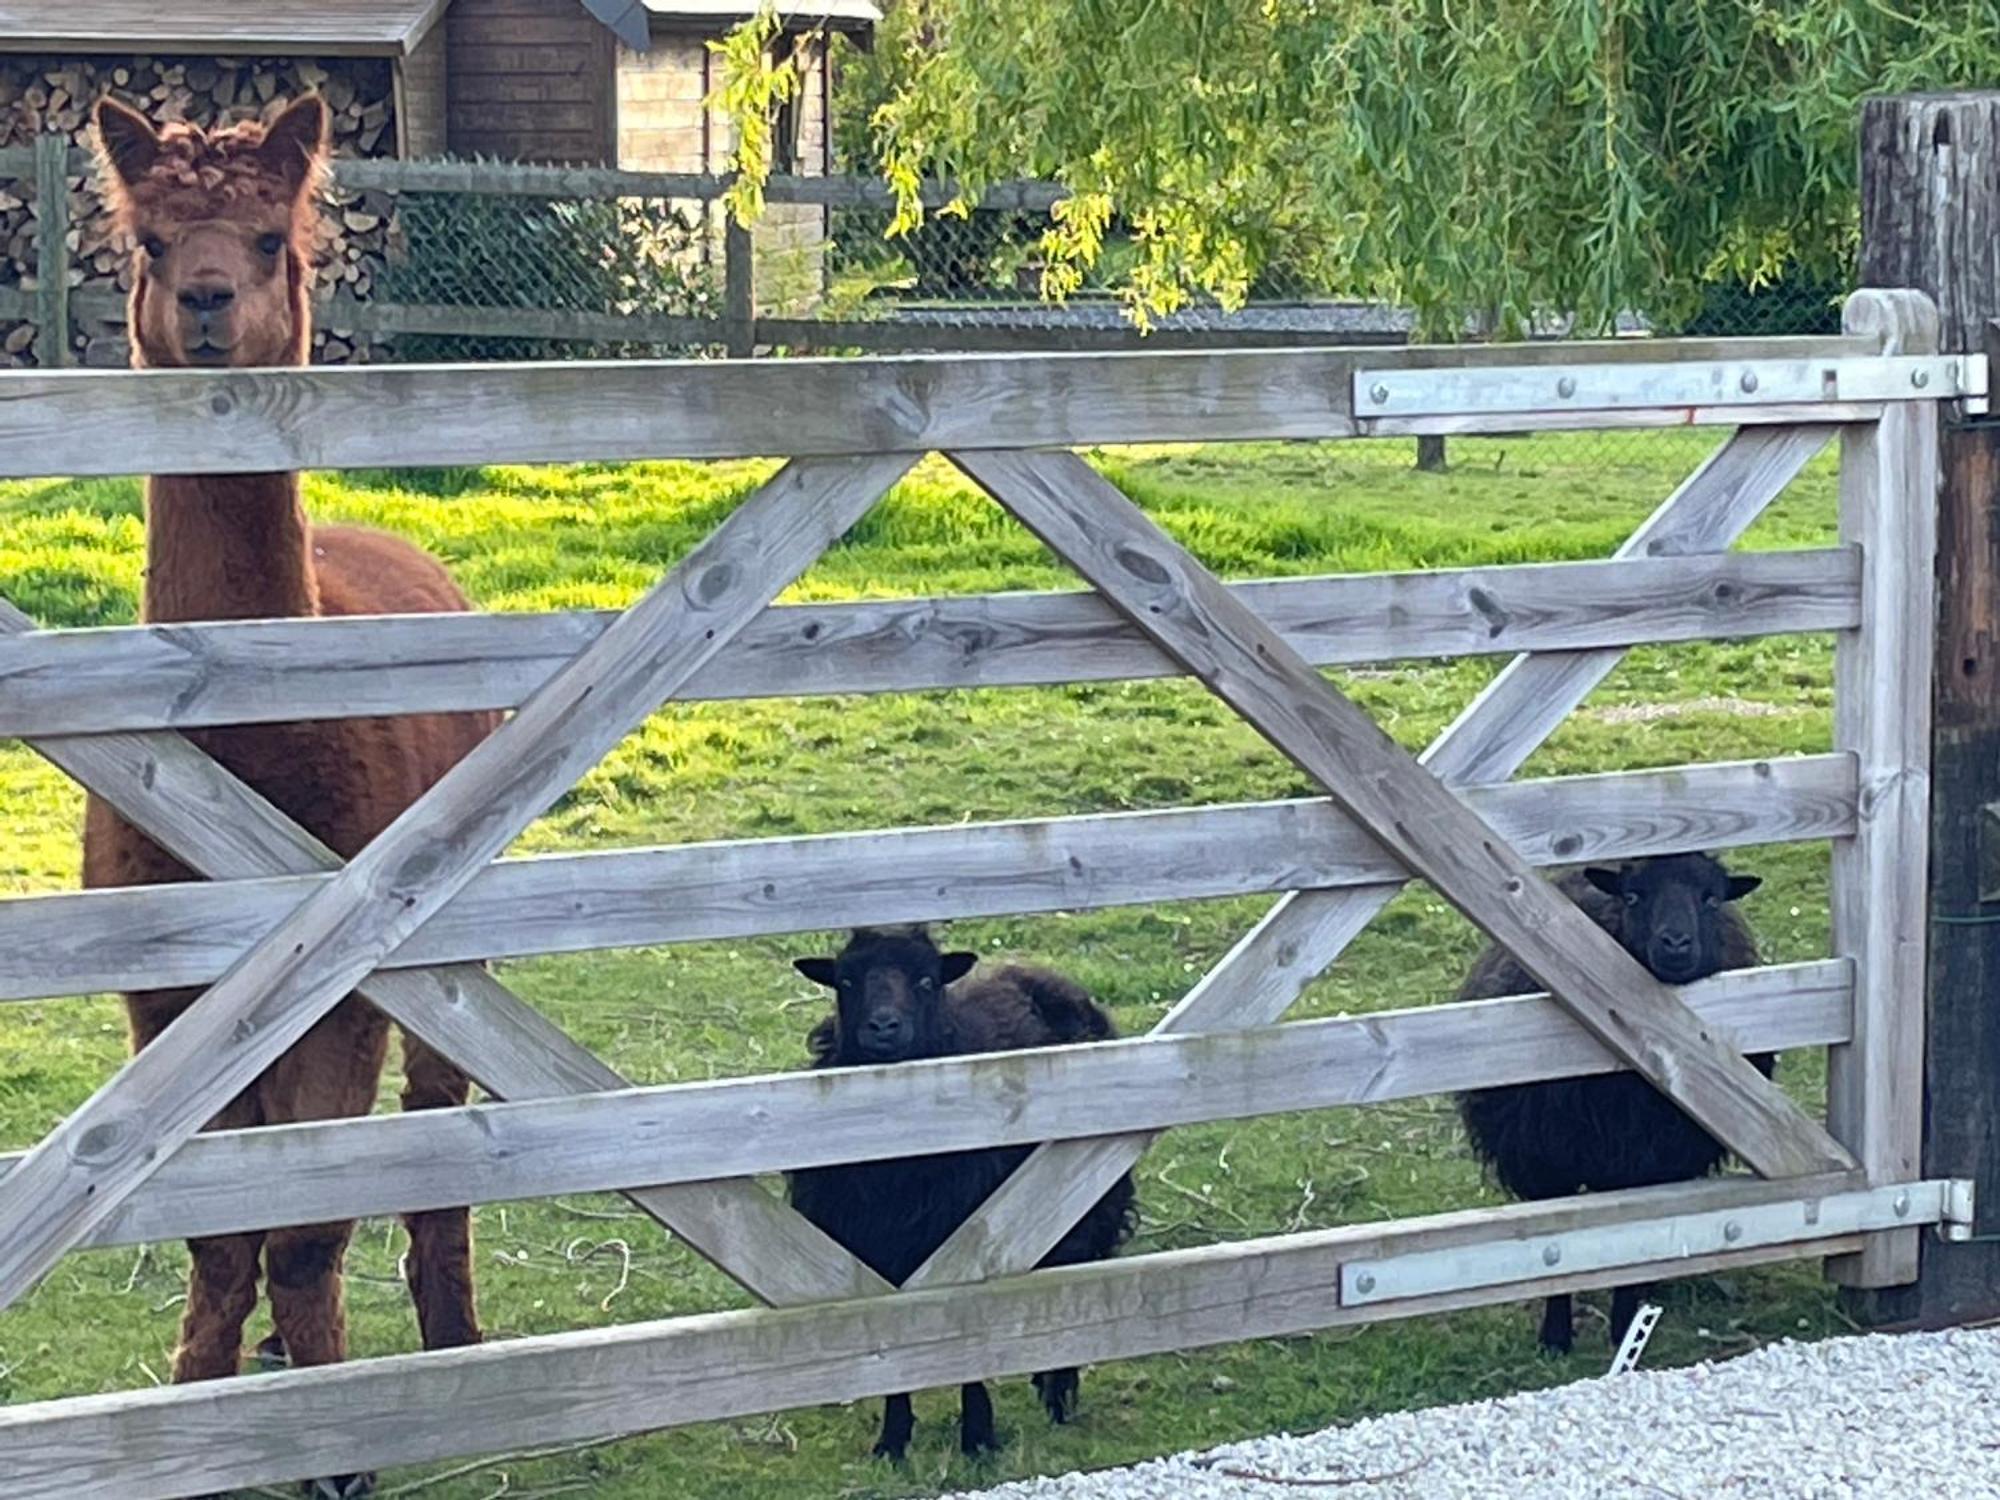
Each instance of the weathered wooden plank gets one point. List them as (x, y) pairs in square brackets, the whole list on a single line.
[(413, 1408), (331, 942), (187, 935), (211, 821), (687, 1133), (329, 416), (52, 251), (1882, 712), (1259, 978), (892, 335), (1085, 520), (739, 290), (235, 672)]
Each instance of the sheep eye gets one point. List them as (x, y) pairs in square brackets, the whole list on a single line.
[(270, 244), (154, 246)]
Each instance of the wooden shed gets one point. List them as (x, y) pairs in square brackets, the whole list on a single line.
[(613, 82)]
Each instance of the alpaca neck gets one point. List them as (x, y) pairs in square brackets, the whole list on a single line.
[(228, 547)]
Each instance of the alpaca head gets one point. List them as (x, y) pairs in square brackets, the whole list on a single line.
[(888, 986), (1673, 916), (221, 222)]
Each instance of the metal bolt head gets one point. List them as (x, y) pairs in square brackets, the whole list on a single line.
[(1901, 1205), (1749, 381), (1378, 393), (1732, 1231), (1920, 378), (1566, 387), (1365, 1282), (1552, 1255)]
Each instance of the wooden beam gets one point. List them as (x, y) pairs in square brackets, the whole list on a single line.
[(187, 935), (569, 1387), (329, 944), (1882, 702), (1256, 982), (266, 671), (52, 250), (1142, 571), (691, 1133), (601, 411), (1930, 221)]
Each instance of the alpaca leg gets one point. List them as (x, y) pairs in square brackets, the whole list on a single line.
[(221, 1295), (1058, 1390), (440, 1266), (330, 1073), (222, 1275), (1558, 1335), (975, 1420), (898, 1422)]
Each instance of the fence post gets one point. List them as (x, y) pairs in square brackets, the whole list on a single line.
[(739, 290), (1930, 204), (52, 250)]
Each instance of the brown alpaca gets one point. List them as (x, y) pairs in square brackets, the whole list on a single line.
[(222, 222)]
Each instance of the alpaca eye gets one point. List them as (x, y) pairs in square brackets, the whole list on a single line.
[(270, 244), (1631, 898), (154, 246), (927, 983), (1711, 902)]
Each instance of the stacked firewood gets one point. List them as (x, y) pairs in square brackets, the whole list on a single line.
[(39, 93)]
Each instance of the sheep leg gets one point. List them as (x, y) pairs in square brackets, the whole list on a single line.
[(1558, 1334), (898, 1422), (975, 1420), (1058, 1389), (1625, 1307)]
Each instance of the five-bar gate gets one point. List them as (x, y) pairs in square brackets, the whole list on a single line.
[(284, 930)]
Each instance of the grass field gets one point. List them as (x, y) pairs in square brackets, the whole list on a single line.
[(519, 539)]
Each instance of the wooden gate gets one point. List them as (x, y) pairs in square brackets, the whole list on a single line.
[(284, 930)]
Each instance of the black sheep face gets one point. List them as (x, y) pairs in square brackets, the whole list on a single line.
[(1672, 919), (889, 993)]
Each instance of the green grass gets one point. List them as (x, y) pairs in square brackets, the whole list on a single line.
[(594, 536)]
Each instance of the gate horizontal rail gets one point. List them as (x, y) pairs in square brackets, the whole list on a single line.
[(190, 934), (391, 1164), (189, 422), (573, 1387), (271, 671)]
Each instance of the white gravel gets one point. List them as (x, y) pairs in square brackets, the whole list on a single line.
[(1912, 1417)]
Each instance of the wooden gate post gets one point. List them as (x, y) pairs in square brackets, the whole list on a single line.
[(1930, 219)]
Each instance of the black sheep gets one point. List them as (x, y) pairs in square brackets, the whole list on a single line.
[(1599, 1134), (897, 998)]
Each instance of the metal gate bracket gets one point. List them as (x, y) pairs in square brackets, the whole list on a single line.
[(1653, 1241)]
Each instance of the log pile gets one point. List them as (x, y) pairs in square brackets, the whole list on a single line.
[(40, 92)]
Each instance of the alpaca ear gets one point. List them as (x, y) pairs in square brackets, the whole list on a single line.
[(953, 967), (818, 970), (126, 140), (295, 142), (1742, 885), (1609, 881)]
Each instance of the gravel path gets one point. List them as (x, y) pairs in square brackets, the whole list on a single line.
[(1910, 1417)]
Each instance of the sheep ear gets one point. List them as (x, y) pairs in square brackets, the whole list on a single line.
[(1611, 882), (1742, 885), (126, 140), (818, 970), (955, 966)]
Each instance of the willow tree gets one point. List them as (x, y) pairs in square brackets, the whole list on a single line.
[(1485, 157)]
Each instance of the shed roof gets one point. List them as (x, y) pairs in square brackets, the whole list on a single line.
[(310, 28), (342, 28)]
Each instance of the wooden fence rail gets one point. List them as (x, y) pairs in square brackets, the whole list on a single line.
[(284, 929)]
